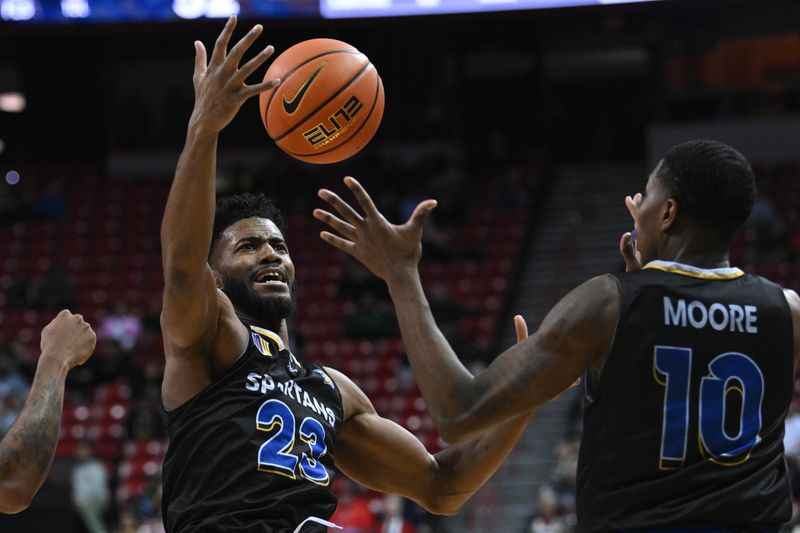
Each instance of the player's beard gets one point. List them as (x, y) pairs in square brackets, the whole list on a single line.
[(269, 311)]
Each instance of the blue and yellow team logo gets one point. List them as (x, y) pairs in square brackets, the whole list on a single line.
[(260, 336), (261, 344)]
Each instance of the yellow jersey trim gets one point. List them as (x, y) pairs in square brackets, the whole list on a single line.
[(272, 335), (694, 272)]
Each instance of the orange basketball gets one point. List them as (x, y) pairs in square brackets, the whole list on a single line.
[(329, 102)]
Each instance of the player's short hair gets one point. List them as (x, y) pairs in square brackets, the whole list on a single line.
[(712, 183), (231, 209)]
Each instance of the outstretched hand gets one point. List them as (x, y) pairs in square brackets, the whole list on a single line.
[(219, 84), (384, 248), (627, 246)]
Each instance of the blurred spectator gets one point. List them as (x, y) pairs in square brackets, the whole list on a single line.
[(565, 471), (356, 280), (512, 192), (437, 242), (151, 525), (18, 291), (14, 350), (114, 362), (10, 408), (449, 184), (13, 391), (547, 518), (11, 379), (90, 490), (128, 522), (150, 505), (353, 513), (146, 380), (393, 520), (121, 326), (82, 380), (369, 319), (145, 420), (54, 290), (444, 307)]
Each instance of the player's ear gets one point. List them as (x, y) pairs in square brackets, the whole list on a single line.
[(217, 279), (669, 214)]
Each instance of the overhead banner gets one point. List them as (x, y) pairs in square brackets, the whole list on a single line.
[(391, 8), (73, 11)]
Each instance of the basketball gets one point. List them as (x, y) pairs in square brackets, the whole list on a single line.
[(328, 105)]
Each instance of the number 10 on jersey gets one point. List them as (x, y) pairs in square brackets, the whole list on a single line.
[(728, 373)]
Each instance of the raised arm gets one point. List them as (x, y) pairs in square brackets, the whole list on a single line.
[(190, 296), (26, 452), (574, 335), (383, 456)]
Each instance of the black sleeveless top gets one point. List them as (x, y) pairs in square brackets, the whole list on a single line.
[(685, 424), (253, 450)]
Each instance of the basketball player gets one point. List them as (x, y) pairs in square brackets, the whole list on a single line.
[(689, 362), (26, 451), (254, 434)]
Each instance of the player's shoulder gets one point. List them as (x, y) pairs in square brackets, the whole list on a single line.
[(776, 291), (341, 380), (604, 282), (793, 300), (600, 293), (354, 400)]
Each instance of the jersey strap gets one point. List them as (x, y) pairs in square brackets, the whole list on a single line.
[(315, 520)]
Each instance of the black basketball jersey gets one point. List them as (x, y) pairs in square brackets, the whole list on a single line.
[(252, 451), (685, 424)]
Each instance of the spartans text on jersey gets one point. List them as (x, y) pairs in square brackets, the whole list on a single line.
[(264, 383)]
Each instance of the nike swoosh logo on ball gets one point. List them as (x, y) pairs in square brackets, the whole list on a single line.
[(290, 106)]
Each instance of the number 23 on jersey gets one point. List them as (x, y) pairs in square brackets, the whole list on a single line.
[(278, 454)]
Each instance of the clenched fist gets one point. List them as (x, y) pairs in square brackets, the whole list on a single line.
[(69, 339)]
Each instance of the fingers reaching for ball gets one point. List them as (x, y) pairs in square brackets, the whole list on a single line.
[(219, 82)]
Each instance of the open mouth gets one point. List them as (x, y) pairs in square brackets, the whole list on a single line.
[(270, 276)]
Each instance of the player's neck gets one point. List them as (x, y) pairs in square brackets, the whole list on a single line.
[(280, 328), (696, 254)]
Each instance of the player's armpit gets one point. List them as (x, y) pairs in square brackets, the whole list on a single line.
[(575, 334), (383, 456), (214, 337), (794, 305), (190, 308)]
